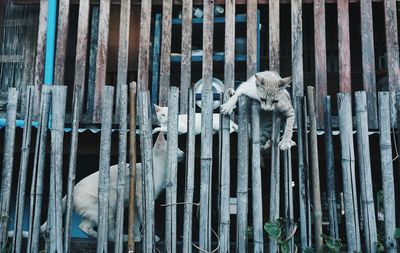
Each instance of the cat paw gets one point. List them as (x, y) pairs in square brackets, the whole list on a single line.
[(267, 145), (159, 129), (286, 144), (227, 108), (230, 91)]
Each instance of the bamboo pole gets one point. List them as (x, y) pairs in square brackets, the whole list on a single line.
[(58, 103), (348, 167), (72, 164), (315, 169), (189, 183), (367, 197), (38, 168), (387, 171), (132, 165), (330, 171), (289, 216), (307, 173), (122, 168), (104, 169), (171, 189), (8, 163), (26, 142)]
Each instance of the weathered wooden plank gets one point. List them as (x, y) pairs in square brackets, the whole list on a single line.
[(189, 182), (61, 43), (122, 166), (392, 48), (2, 17), (229, 67), (251, 34), (165, 61), (206, 128), (288, 213), (144, 45), (315, 170), (348, 172), (320, 59), (104, 170), (171, 189), (368, 61), (8, 162), (344, 46), (186, 60), (155, 80), (307, 172), (81, 48), (297, 48), (123, 49), (330, 170), (387, 171), (94, 33), (367, 197), (274, 35), (101, 58)]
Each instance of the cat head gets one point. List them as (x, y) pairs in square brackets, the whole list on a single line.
[(161, 147), (268, 84), (162, 114)]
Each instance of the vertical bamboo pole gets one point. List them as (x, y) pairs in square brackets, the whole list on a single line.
[(144, 45), (367, 197), (348, 167), (333, 219), (297, 47), (307, 173), (344, 46), (132, 164), (274, 7), (171, 189), (62, 43), (289, 216), (189, 183), (122, 168), (275, 175), (72, 164), (94, 33), (26, 142), (8, 162), (315, 169), (104, 169), (387, 171)]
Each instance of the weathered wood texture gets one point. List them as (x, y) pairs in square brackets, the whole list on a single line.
[(348, 172), (274, 35), (186, 50), (297, 48), (156, 60), (368, 61), (320, 59), (104, 170), (387, 171), (144, 45), (367, 197), (344, 45), (288, 209), (229, 67), (165, 61), (94, 32), (101, 58), (206, 128), (61, 43)]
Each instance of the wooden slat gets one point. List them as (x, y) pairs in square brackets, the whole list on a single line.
[(392, 47), (229, 67), (2, 18), (156, 60), (206, 128), (144, 45), (344, 46), (165, 61), (297, 48), (320, 59), (368, 61), (251, 33), (81, 47), (61, 43), (101, 59), (94, 31), (274, 35), (186, 51)]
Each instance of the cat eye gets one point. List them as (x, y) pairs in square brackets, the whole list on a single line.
[(274, 101), (263, 100)]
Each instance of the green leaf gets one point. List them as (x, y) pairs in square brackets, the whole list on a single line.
[(397, 233), (332, 244), (284, 247), (273, 229), (380, 247)]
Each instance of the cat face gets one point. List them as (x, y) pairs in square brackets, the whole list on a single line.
[(268, 84), (162, 114)]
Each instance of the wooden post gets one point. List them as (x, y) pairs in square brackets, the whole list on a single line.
[(62, 43), (94, 33), (122, 168), (104, 169), (274, 35), (344, 46), (132, 164), (186, 60), (144, 45), (315, 169), (307, 173), (367, 194), (275, 175), (171, 189), (189, 183), (348, 172), (26, 142), (289, 215), (206, 128), (8, 162), (72, 164), (297, 48), (330, 170), (387, 171), (156, 60), (38, 167)]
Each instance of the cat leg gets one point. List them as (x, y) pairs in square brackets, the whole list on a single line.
[(159, 129), (87, 226), (228, 107), (267, 145)]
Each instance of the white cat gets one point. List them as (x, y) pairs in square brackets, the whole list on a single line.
[(86, 197), (162, 116)]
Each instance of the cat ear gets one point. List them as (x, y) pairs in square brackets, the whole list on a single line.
[(258, 78), (158, 108), (284, 83)]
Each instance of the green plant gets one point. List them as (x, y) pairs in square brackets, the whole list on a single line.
[(331, 244), (397, 233), (380, 247), (275, 230)]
